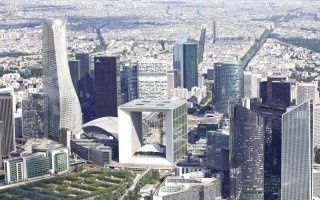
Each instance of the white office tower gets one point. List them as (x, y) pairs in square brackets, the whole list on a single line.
[(306, 91), (251, 84), (191, 186), (152, 79), (300, 137), (63, 109)]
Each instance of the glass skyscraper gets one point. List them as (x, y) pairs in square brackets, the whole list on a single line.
[(63, 107), (299, 132), (229, 83), (246, 154)]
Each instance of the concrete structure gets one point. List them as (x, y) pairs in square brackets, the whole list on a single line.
[(152, 79), (228, 83), (300, 133), (107, 86), (306, 91), (191, 186), (7, 129), (209, 122), (63, 108), (174, 131)]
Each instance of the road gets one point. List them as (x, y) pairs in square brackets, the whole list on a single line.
[(135, 181)]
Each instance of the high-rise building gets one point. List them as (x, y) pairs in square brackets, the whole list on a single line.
[(152, 79), (272, 114), (6, 116), (107, 86), (129, 82), (86, 97), (190, 65), (214, 32), (74, 67), (185, 59), (218, 149), (246, 154), (228, 83), (276, 88), (306, 91), (300, 133), (84, 62), (63, 108), (251, 84), (202, 41)]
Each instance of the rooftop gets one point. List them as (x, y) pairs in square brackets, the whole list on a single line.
[(153, 104)]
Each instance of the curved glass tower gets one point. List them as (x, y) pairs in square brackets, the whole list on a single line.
[(229, 82), (63, 108)]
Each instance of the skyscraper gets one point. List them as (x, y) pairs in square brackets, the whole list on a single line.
[(74, 67), (152, 79), (202, 41), (276, 88), (7, 130), (228, 83), (251, 84), (63, 107), (185, 59), (214, 32), (246, 154), (84, 60), (107, 86), (33, 115), (300, 133), (190, 65), (306, 91)]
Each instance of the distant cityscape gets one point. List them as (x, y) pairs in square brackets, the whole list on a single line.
[(162, 100)]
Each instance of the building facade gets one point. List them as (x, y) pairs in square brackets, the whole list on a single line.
[(228, 83), (107, 85), (246, 154), (63, 108), (74, 67), (7, 129), (152, 79)]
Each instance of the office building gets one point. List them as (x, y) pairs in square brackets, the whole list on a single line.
[(272, 114), (191, 186), (185, 59), (210, 122), (172, 81), (32, 166), (7, 117), (228, 83), (202, 41), (251, 84), (107, 86), (63, 108), (84, 63), (246, 154), (218, 150), (74, 67), (300, 133), (276, 88), (92, 151), (189, 73), (129, 82), (306, 91), (152, 79), (214, 31), (169, 143), (33, 115), (86, 97)]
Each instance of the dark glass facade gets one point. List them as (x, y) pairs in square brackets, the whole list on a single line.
[(84, 60), (246, 154), (190, 65), (107, 86), (74, 67)]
